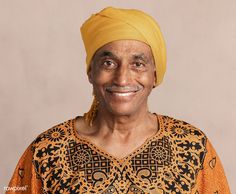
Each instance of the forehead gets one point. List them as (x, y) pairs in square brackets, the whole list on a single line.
[(125, 47)]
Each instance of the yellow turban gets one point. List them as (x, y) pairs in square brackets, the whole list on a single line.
[(113, 24)]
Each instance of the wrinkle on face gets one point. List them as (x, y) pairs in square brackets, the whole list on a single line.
[(123, 64)]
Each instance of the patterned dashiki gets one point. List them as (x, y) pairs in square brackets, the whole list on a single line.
[(177, 159)]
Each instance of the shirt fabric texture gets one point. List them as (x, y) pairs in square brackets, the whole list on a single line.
[(178, 158)]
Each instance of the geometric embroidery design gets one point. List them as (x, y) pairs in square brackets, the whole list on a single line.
[(168, 162)]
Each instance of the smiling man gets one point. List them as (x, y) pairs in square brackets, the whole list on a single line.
[(118, 146)]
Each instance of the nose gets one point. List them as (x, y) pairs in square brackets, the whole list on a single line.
[(122, 75)]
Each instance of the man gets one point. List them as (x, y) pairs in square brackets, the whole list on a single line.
[(119, 146)]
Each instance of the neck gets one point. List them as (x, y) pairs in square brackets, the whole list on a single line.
[(123, 124)]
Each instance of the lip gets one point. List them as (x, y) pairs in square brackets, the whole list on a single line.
[(123, 89), (121, 96)]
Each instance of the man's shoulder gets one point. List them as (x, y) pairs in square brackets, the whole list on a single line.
[(180, 128), (55, 134)]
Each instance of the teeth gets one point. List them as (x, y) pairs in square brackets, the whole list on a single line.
[(123, 94)]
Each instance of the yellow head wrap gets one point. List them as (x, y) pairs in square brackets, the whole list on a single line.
[(113, 24)]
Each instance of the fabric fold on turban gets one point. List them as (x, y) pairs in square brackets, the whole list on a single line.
[(113, 24)]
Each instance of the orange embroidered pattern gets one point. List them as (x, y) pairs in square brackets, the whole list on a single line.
[(168, 162)]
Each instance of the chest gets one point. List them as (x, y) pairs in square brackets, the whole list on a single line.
[(161, 165)]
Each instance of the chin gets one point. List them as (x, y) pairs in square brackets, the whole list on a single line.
[(122, 110)]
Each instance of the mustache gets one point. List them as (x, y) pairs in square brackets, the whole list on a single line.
[(129, 88)]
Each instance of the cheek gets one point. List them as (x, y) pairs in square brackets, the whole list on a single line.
[(95, 77), (99, 79), (98, 91), (147, 80)]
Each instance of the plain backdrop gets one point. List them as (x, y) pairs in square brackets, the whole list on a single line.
[(43, 80)]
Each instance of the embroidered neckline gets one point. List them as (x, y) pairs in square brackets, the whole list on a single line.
[(106, 154)]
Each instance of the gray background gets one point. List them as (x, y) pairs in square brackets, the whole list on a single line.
[(43, 80)]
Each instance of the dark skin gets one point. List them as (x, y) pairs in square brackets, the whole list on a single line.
[(123, 75)]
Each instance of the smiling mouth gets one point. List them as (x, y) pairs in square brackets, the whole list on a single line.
[(123, 94)]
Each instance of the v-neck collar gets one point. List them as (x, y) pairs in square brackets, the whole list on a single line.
[(106, 154)]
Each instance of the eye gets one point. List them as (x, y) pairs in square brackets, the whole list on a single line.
[(138, 65), (108, 64)]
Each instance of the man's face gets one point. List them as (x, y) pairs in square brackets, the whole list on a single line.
[(123, 75)]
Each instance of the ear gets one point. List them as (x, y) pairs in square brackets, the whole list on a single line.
[(155, 79), (90, 77)]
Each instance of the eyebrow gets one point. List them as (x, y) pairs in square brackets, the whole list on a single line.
[(140, 57), (107, 54)]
